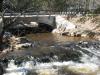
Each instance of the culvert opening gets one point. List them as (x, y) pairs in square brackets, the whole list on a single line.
[(23, 30), (46, 27)]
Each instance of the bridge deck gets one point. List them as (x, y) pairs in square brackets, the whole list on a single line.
[(7, 16)]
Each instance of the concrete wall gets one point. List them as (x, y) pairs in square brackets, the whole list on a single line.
[(46, 19)]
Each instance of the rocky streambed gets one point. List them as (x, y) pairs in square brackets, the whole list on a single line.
[(51, 54)]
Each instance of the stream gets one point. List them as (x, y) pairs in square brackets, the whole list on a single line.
[(54, 54)]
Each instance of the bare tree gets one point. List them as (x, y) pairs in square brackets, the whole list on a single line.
[(1, 14)]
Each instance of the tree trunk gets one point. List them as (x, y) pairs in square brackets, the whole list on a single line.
[(1, 24)]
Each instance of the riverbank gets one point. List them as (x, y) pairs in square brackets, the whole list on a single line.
[(79, 26), (12, 43), (90, 23)]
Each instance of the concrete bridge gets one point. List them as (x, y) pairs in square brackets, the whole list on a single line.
[(40, 18), (47, 21), (26, 23), (27, 19)]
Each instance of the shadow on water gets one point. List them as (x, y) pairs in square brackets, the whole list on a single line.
[(21, 30)]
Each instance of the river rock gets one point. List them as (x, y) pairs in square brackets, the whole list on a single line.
[(63, 25), (7, 36), (87, 33), (66, 33), (84, 35), (1, 70), (57, 31), (19, 42), (24, 45), (32, 24), (14, 40)]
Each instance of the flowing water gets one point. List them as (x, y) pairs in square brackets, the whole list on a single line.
[(56, 55)]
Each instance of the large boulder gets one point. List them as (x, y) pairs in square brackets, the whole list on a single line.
[(63, 25)]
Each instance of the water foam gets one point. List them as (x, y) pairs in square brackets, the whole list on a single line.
[(50, 68)]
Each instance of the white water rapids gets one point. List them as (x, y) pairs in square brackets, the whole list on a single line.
[(88, 67)]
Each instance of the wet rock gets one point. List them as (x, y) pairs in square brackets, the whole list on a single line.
[(1, 70), (72, 34), (24, 45), (14, 40), (7, 35), (78, 34), (18, 62), (44, 59), (83, 44), (87, 34), (65, 33), (4, 63), (70, 55), (23, 40), (84, 35), (17, 43)]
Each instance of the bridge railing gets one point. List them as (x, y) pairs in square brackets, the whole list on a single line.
[(47, 13)]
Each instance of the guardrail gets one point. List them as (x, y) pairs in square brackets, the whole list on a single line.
[(45, 13)]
